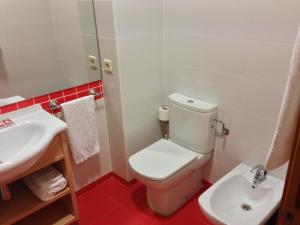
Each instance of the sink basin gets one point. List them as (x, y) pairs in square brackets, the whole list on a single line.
[(24, 142), (232, 200)]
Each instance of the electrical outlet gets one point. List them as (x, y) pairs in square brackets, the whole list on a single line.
[(107, 66), (93, 62)]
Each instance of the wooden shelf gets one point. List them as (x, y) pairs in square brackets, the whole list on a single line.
[(25, 208), (23, 203), (54, 214)]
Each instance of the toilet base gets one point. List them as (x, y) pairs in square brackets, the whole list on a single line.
[(166, 202)]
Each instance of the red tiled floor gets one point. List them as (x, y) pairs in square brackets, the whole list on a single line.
[(113, 203)]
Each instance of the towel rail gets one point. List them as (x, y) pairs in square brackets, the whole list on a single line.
[(53, 105)]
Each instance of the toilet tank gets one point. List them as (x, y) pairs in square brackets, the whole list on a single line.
[(191, 125)]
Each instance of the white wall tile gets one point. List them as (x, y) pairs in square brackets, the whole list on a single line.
[(268, 20), (267, 61), (108, 50), (139, 52), (235, 54), (139, 48), (23, 11), (261, 99), (212, 53), (136, 17), (86, 17), (104, 19)]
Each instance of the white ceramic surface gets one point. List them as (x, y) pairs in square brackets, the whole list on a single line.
[(24, 142), (10, 100), (222, 202), (171, 169), (191, 123), (167, 157)]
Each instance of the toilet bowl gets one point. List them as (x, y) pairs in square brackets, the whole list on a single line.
[(170, 172), (172, 169)]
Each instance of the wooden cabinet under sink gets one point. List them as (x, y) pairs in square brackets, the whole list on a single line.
[(25, 208)]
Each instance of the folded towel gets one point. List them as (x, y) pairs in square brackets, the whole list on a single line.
[(46, 182), (80, 116)]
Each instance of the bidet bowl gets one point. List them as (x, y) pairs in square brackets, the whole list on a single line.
[(25, 141), (233, 201)]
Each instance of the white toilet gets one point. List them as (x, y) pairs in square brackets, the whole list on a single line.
[(172, 169)]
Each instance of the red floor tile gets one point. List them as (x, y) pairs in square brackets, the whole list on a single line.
[(122, 216), (95, 204), (116, 190), (113, 203)]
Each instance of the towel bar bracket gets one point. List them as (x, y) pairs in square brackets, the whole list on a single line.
[(53, 105)]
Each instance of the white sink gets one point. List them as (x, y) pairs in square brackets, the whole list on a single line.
[(222, 202), (24, 142)]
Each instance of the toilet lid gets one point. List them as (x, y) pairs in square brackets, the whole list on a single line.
[(161, 160)]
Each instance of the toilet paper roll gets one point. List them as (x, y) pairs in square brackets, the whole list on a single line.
[(163, 113)]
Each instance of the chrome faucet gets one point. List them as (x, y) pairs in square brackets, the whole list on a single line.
[(259, 176)]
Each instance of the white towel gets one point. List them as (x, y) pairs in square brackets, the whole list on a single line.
[(46, 182), (283, 139), (80, 117)]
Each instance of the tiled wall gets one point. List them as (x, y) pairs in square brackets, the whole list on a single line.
[(60, 96), (236, 54), (26, 35), (138, 26), (89, 36), (130, 33), (69, 43), (108, 50), (35, 31)]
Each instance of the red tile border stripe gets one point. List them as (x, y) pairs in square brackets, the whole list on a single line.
[(60, 96)]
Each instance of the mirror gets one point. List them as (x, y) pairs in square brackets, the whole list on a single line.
[(47, 45)]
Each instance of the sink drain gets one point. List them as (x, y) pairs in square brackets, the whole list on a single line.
[(246, 207)]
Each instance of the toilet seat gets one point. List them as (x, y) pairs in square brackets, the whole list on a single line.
[(161, 160)]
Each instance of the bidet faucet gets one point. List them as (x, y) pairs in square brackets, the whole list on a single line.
[(259, 176)]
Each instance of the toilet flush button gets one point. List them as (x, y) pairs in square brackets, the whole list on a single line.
[(190, 101)]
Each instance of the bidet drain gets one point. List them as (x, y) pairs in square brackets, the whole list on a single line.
[(246, 207)]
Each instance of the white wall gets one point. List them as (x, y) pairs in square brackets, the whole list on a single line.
[(69, 43), (89, 36), (130, 33), (26, 36), (108, 50), (84, 43), (39, 43), (138, 26), (236, 54), (233, 53), (100, 164)]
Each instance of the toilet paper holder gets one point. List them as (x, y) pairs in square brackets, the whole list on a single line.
[(163, 113), (225, 131)]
